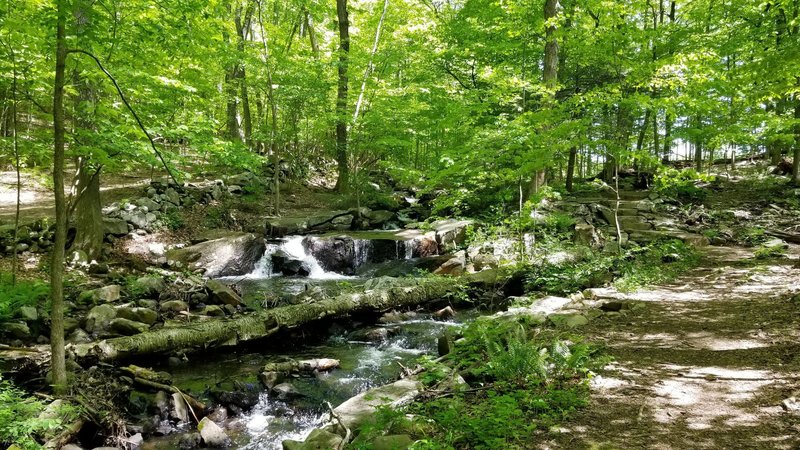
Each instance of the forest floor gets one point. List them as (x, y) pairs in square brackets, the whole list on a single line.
[(706, 364), (36, 197)]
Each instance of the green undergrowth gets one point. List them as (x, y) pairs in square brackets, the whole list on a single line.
[(20, 421), (502, 383), (633, 268), (22, 293)]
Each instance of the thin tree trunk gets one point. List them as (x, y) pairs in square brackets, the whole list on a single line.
[(796, 162), (58, 364), (343, 181), (667, 138), (273, 143), (312, 35), (15, 144), (370, 65), (573, 154)]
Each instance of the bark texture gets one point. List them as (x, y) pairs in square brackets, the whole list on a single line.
[(255, 326), (343, 181)]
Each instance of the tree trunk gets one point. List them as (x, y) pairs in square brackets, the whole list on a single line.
[(58, 365), (312, 35), (667, 138), (343, 181), (796, 162), (273, 142), (233, 131), (573, 153), (88, 212), (256, 326)]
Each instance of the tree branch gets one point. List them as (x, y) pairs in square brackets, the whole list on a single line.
[(130, 108)]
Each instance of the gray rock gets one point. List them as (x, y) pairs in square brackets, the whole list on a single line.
[(285, 391), (220, 293), (148, 287), (318, 440), (213, 311), (71, 447), (585, 234), (149, 204), (127, 327), (105, 294), (174, 306), (116, 227), (450, 233), (78, 337), (234, 255), (172, 196), (379, 217), (189, 441), (212, 434), (18, 330), (28, 313), (70, 324), (143, 315), (180, 410), (362, 407), (99, 317)]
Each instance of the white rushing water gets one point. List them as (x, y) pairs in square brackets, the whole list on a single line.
[(294, 247)]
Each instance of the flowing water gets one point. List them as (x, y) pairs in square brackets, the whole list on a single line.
[(365, 362)]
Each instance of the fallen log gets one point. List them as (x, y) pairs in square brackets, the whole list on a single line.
[(788, 237), (226, 332)]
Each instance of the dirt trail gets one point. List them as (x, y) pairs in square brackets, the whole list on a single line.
[(36, 200), (705, 364)]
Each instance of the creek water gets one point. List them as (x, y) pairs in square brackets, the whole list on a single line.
[(365, 362)]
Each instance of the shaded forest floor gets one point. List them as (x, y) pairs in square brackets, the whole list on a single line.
[(705, 364)]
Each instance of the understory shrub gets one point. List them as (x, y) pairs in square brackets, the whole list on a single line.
[(519, 382), (23, 293), (681, 185), (19, 418)]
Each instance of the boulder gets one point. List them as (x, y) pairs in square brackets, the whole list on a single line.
[(143, 315), (28, 313), (211, 434), (285, 391), (451, 233), (379, 217), (105, 294), (174, 306), (318, 440), (222, 294), (213, 311), (127, 327), (586, 234), (116, 227), (288, 265), (189, 441), (334, 254), (149, 204), (425, 246), (18, 330), (234, 255), (453, 266), (99, 317), (361, 408), (147, 287)]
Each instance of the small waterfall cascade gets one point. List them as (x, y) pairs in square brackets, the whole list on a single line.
[(404, 249), (362, 250), (294, 248), (302, 248)]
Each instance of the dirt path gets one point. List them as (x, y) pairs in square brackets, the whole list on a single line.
[(705, 364), (36, 199)]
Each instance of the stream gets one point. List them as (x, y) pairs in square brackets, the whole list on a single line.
[(370, 354)]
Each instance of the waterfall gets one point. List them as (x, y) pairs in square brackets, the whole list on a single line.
[(292, 246), (362, 249)]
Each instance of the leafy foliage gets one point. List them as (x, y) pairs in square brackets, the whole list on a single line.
[(19, 418), (23, 293)]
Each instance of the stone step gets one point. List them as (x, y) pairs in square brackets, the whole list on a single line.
[(633, 227)]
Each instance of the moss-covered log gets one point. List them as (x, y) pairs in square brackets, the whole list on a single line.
[(263, 324)]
